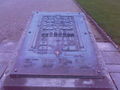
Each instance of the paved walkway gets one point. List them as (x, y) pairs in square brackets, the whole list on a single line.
[(14, 15)]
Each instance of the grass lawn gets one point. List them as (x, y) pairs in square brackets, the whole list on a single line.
[(107, 15)]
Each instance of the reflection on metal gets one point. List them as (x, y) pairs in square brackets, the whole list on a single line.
[(58, 45)]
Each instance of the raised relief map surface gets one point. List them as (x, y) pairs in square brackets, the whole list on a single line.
[(57, 44)]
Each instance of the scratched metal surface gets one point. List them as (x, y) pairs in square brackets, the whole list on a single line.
[(57, 44)]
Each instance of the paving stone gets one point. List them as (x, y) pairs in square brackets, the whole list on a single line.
[(111, 57), (113, 68), (2, 68), (116, 79), (5, 58), (106, 46), (8, 46)]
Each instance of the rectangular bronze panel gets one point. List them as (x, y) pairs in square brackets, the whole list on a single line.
[(58, 44)]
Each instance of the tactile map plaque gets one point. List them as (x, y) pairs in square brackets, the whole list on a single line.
[(58, 33), (57, 44)]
